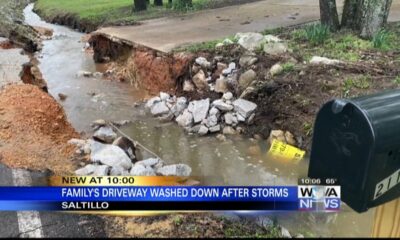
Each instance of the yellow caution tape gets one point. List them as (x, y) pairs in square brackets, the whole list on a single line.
[(282, 151)]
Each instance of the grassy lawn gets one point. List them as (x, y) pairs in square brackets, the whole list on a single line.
[(112, 12)]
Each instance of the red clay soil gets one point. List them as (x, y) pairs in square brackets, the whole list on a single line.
[(34, 131)]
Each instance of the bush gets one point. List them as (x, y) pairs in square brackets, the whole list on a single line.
[(317, 33), (182, 5)]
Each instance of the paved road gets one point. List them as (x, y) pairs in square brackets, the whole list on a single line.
[(43, 224), (164, 34)]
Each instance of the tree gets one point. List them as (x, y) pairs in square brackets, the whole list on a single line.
[(349, 14), (329, 14), (366, 17), (139, 5), (372, 16)]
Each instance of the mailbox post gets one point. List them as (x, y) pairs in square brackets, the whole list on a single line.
[(357, 141)]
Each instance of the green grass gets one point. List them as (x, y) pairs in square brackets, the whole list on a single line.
[(317, 34), (108, 12), (362, 82)]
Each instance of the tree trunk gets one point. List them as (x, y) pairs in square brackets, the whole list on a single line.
[(329, 14), (373, 16), (158, 2), (139, 5), (349, 14)]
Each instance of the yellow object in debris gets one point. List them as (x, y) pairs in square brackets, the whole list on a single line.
[(282, 151)]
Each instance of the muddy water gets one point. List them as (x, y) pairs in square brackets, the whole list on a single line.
[(237, 161)]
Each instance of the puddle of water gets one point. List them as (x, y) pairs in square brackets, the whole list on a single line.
[(237, 161)]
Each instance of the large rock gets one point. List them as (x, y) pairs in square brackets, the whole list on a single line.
[(188, 86), (101, 170), (221, 85), (203, 130), (86, 170), (275, 48), (230, 119), (251, 40), (276, 69), (247, 60), (164, 96), (159, 109), (271, 38), (203, 62), (246, 78), (180, 170), (229, 69), (185, 119), (323, 61), (244, 107), (179, 107), (127, 145), (199, 109), (118, 171), (221, 105), (227, 96), (286, 137), (200, 81), (212, 120), (150, 162), (150, 103), (111, 155), (141, 170), (105, 134), (228, 130), (214, 129)]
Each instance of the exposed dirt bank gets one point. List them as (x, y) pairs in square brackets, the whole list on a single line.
[(34, 131), (143, 67), (13, 28)]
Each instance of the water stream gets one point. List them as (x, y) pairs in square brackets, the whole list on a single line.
[(237, 161)]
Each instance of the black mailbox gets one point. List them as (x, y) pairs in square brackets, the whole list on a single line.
[(357, 142)]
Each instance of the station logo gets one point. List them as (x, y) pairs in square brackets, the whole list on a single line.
[(319, 198)]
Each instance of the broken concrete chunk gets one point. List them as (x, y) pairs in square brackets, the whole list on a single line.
[(203, 62), (101, 170), (105, 134), (214, 129), (244, 107), (86, 170), (221, 105), (141, 170), (164, 96), (251, 40), (159, 109), (150, 162), (200, 109), (111, 155), (150, 103), (185, 119), (275, 48), (323, 60), (180, 170), (228, 130), (203, 130)]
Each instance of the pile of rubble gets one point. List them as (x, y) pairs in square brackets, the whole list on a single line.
[(118, 156), (204, 116)]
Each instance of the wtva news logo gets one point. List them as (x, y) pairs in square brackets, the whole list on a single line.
[(319, 198)]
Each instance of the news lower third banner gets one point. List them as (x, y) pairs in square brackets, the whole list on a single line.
[(131, 197)]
